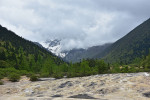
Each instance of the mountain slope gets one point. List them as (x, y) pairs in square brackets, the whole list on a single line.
[(23, 54), (134, 45), (77, 55)]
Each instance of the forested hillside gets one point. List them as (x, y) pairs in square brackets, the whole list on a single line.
[(22, 54), (134, 45)]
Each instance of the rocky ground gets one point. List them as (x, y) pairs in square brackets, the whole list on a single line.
[(134, 86)]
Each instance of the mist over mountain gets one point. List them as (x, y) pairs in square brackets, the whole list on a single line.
[(77, 55), (133, 45), (73, 55), (79, 23)]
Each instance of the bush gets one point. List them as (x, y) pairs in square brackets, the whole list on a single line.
[(2, 74), (23, 72), (33, 78), (14, 77), (1, 83), (1, 77), (58, 76), (45, 75), (7, 71), (4, 64), (29, 74)]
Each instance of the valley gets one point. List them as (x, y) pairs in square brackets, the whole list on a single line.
[(74, 50), (134, 44)]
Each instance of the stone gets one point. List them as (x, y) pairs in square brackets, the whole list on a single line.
[(68, 83), (92, 84), (31, 99), (147, 94), (82, 96), (105, 91), (40, 96), (46, 79), (55, 96), (146, 74)]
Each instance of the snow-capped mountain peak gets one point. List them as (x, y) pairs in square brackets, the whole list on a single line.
[(54, 46), (53, 43)]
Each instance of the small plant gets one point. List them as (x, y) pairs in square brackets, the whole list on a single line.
[(14, 77), (23, 72), (33, 78), (44, 75), (1, 77), (1, 83), (29, 74), (58, 76)]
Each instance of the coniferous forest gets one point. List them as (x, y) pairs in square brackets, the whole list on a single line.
[(19, 56)]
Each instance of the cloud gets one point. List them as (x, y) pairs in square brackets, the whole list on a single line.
[(78, 23)]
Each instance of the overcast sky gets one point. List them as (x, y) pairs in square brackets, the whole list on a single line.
[(78, 23)]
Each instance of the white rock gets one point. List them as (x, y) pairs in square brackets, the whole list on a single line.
[(28, 90), (146, 74), (129, 75)]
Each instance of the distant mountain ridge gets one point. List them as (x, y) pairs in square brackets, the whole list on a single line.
[(76, 55), (73, 55)]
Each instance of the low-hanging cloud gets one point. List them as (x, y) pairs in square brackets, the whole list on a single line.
[(78, 23)]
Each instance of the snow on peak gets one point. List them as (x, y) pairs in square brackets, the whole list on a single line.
[(54, 46)]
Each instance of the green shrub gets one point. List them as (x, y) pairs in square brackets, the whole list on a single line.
[(14, 77), (58, 76), (23, 72), (4, 64), (2, 74), (29, 74), (7, 71), (33, 78), (1, 83), (44, 75), (1, 77)]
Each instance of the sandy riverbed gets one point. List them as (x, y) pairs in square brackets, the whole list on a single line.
[(134, 86)]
